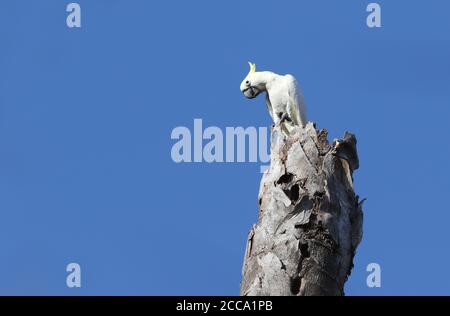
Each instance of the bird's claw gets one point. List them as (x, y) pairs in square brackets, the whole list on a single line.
[(285, 118)]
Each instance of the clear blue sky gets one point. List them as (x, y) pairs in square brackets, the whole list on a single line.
[(86, 115)]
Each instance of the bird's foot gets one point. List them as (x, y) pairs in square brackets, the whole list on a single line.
[(284, 117)]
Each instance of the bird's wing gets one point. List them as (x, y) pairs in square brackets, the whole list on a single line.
[(296, 104), (269, 107)]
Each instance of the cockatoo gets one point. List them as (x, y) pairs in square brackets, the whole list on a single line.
[(284, 98)]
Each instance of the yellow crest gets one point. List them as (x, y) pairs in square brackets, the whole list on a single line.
[(252, 67)]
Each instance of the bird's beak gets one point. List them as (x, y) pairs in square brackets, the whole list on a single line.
[(251, 92)]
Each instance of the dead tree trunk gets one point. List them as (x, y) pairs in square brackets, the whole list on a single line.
[(310, 220)]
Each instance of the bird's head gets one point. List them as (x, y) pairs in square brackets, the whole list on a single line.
[(252, 85)]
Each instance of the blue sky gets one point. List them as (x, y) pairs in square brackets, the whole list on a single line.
[(86, 116)]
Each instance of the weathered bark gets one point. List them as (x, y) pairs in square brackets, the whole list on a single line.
[(310, 220)]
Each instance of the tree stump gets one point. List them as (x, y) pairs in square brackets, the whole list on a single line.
[(310, 220)]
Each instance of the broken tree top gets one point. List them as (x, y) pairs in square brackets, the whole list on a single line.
[(310, 220)]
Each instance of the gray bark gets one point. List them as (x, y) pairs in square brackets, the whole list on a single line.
[(310, 220)]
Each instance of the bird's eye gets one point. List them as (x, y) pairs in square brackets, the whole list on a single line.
[(247, 82)]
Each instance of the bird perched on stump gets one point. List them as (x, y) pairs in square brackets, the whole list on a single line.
[(284, 98)]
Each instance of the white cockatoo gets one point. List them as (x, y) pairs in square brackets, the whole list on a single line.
[(284, 98)]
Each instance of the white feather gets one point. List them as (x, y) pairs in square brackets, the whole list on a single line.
[(296, 105)]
